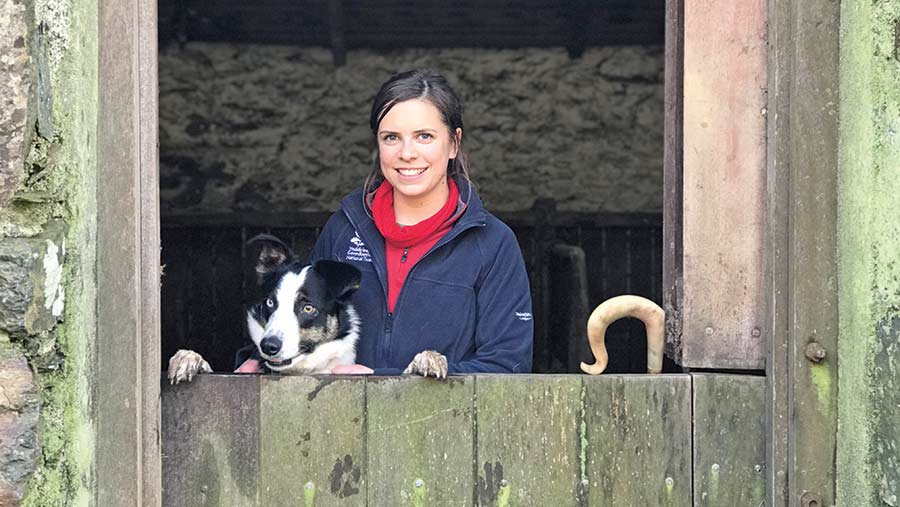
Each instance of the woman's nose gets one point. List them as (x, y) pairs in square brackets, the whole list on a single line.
[(408, 152)]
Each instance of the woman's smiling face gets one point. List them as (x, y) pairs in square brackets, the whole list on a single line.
[(414, 147)]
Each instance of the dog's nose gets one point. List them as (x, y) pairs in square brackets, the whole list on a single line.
[(270, 345)]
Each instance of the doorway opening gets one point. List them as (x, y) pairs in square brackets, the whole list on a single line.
[(263, 114)]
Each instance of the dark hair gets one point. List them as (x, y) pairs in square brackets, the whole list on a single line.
[(423, 85)]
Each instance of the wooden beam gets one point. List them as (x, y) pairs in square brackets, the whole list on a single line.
[(127, 340), (723, 186), (150, 269), (776, 281), (673, 169), (803, 164)]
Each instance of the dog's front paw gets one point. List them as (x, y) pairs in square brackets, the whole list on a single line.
[(185, 364), (428, 362)]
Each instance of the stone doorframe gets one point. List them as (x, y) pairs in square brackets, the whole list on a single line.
[(127, 361)]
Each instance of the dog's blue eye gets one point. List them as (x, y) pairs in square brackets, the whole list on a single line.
[(270, 303)]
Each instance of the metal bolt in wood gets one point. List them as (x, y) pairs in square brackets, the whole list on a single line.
[(814, 352), (810, 499)]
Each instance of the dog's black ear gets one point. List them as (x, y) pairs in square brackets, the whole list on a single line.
[(272, 253), (342, 279)]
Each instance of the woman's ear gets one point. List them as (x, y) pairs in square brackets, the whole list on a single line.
[(457, 144)]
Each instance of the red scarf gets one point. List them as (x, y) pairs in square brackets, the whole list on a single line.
[(406, 244)]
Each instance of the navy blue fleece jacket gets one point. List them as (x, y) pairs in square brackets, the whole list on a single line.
[(467, 298)]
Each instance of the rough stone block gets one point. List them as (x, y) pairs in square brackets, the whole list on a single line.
[(19, 411), (31, 290), (16, 84)]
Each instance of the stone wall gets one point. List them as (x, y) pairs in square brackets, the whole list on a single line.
[(868, 455), (281, 128), (48, 74)]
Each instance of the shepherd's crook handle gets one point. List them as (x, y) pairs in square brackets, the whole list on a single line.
[(614, 309)]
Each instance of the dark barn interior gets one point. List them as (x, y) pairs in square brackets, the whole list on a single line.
[(263, 127)]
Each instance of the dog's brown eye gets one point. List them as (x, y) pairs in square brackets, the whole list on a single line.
[(309, 308), (270, 303)]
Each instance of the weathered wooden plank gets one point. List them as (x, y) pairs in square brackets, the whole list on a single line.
[(151, 471), (420, 434), (673, 178), (729, 440), (638, 440), (812, 299), (312, 441), (529, 444), (778, 178), (724, 180), (119, 398), (210, 441)]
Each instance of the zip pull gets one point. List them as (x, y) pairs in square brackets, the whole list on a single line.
[(403, 257)]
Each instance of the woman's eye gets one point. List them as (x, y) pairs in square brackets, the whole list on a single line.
[(390, 138), (309, 308), (270, 303), (424, 136)]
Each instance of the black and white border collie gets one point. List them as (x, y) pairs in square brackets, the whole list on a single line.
[(302, 321)]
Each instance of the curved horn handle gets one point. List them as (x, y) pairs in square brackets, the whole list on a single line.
[(614, 309)]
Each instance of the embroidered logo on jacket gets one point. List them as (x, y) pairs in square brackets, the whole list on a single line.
[(357, 250), (523, 316)]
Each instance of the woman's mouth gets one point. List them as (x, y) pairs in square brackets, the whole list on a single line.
[(411, 172)]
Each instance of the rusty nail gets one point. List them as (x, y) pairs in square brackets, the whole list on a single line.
[(755, 333), (814, 352), (810, 499)]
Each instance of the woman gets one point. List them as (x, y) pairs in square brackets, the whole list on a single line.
[(440, 273), (444, 287)]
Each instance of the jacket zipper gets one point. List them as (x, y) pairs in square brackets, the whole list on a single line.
[(389, 319)]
